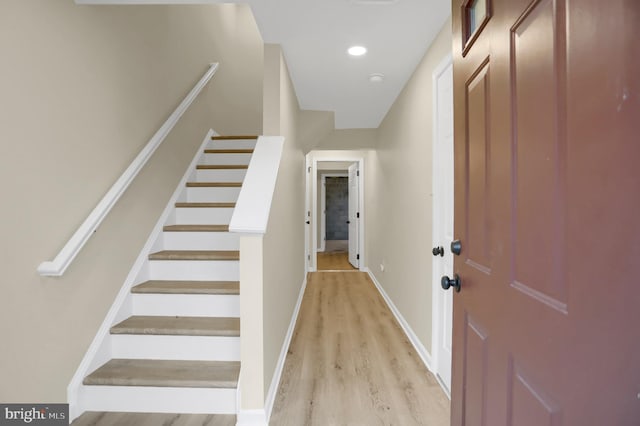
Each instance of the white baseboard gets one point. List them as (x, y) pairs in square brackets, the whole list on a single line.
[(275, 381), (413, 338)]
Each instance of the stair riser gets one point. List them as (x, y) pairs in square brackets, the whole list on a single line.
[(208, 195), (195, 270), (201, 241), (227, 159), (146, 399), (186, 305), (232, 144), (195, 348), (209, 175), (203, 215)]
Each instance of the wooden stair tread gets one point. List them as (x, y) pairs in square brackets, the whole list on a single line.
[(178, 326), (196, 228), (205, 205), (166, 373), (188, 287), (229, 151), (237, 137), (214, 184), (195, 255), (121, 418), (221, 166)]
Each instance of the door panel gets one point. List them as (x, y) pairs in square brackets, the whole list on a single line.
[(528, 405), (547, 109), (477, 148), (475, 366), (539, 144)]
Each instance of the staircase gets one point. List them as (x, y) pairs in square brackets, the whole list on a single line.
[(180, 350)]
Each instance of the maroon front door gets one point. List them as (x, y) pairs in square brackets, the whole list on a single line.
[(547, 209)]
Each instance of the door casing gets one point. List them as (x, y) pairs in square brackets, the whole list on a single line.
[(312, 211), (438, 269)]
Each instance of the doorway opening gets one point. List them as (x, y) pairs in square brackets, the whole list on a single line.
[(335, 214), (333, 250)]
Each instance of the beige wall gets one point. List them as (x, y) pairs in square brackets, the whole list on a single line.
[(399, 226), (284, 241), (313, 127), (83, 89), (349, 139)]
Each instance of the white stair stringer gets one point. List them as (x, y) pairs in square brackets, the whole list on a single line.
[(187, 227)]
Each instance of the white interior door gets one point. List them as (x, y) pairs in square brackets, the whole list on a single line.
[(443, 219), (354, 216)]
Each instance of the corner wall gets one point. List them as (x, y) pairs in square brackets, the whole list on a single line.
[(284, 241), (399, 226), (83, 89)]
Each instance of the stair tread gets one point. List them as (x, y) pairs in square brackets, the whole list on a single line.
[(221, 166), (214, 184), (178, 326), (196, 228), (92, 418), (195, 255), (205, 205), (166, 373), (237, 137), (188, 287), (229, 151)]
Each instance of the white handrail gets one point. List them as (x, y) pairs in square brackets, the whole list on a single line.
[(57, 266), (251, 213)]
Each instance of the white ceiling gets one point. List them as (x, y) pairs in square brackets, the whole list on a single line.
[(315, 36)]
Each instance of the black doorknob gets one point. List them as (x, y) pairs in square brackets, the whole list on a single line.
[(308, 222), (348, 221), (438, 251), (456, 247), (447, 282)]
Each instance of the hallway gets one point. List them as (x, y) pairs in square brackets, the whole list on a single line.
[(349, 362)]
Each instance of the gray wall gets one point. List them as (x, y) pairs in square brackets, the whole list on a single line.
[(337, 208)]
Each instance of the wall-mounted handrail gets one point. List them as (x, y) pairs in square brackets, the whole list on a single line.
[(251, 213), (58, 266)]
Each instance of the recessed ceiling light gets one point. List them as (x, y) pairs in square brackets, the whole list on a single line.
[(357, 50)]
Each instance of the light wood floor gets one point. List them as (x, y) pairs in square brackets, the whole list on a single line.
[(349, 362), (153, 419), (337, 261)]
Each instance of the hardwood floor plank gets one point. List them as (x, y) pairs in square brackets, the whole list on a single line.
[(350, 363), (336, 261)]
